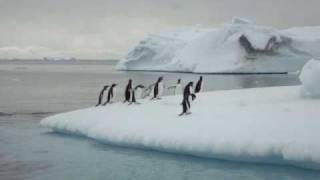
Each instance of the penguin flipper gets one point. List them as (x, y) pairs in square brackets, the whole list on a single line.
[(193, 96)]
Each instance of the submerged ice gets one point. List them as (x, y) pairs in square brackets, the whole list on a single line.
[(237, 47)]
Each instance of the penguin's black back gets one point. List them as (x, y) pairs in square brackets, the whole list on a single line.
[(110, 94), (198, 86), (156, 90), (127, 92)]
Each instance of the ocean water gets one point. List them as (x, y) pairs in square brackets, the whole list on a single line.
[(32, 90)]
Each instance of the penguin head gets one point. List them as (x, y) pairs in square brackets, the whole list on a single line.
[(114, 85), (130, 81), (200, 77), (105, 87), (141, 86), (160, 79), (179, 81)]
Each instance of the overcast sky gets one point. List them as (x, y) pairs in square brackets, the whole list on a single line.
[(102, 29)]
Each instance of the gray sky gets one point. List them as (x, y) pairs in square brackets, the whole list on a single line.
[(101, 29)]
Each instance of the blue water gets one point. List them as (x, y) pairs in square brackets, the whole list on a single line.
[(30, 92)]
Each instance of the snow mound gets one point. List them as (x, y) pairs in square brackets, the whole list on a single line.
[(237, 47), (310, 78), (265, 125)]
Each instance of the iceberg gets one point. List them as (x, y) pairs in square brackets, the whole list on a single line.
[(236, 47), (310, 78), (266, 125)]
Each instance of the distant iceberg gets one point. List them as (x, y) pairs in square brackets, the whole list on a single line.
[(236, 47), (57, 58)]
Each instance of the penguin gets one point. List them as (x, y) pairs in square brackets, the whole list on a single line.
[(187, 93), (177, 88), (111, 94), (158, 89), (136, 93), (128, 92), (101, 95), (148, 91), (199, 85)]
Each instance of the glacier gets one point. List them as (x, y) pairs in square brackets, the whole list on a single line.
[(278, 125), (236, 47)]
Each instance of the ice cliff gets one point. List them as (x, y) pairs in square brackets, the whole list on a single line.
[(236, 47)]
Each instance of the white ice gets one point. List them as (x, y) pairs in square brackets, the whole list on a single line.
[(267, 125), (310, 78), (216, 50)]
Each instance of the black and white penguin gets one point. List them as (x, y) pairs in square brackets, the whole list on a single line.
[(187, 94), (199, 85), (111, 94), (158, 89), (128, 92), (148, 91), (177, 88), (137, 93), (101, 95)]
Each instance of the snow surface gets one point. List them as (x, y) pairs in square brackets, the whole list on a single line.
[(310, 78), (266, 125), (216, 50)]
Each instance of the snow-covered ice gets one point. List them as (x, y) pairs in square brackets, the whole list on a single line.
[(310, 78), (237, 47), (267, 125)]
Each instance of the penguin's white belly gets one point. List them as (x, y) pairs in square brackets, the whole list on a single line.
[(178, 89), (114, 94), (150, 91), (160, 89), (131, 95), (138, 93), (191, 90), (104, 97)]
